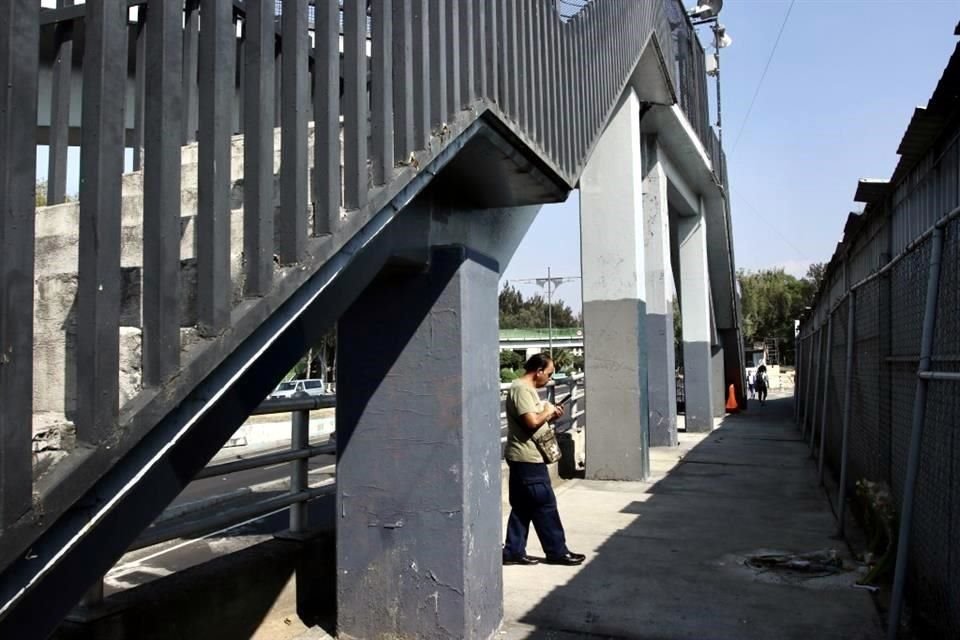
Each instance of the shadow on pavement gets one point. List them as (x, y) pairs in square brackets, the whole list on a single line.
[(668, 559)]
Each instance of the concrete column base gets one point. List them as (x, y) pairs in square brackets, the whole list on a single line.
[(418, 478)]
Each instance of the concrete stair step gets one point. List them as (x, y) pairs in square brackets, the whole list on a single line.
[(53, 430)]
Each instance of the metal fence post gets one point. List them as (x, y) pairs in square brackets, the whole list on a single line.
[(816, 388), (796, 378), (916, 434), (805, 387), (574, 406), (826, 399), (299, 439), (807, 366), (847, 401)]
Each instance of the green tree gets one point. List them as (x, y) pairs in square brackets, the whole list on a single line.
[(510, 360), (319, 361), (771, 300), (815, 273), (517, 312), (578, 362), (40, 196), (562, 359)]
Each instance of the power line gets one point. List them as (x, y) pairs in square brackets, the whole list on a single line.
[(762, 77), (769, 225)]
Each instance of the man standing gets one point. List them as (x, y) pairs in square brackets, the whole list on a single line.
[(531, 495)]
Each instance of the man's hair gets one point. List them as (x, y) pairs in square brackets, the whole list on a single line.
[(536, 362)]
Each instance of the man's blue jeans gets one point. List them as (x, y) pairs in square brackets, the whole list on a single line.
[(532, 500)]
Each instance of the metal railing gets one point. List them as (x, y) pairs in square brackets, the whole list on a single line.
[(574, 417), (299, 454), (172, 525), (299, 494)]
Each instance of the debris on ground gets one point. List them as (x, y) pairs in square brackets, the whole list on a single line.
[(826, 561)]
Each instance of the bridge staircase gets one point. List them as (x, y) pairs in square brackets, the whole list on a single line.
[(173, 298)]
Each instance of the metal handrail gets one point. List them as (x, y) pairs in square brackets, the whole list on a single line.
[(264, 460), (298, 497), (233, 516), (299, 408)]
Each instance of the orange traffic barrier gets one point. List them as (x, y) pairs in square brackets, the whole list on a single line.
[(732, 405)]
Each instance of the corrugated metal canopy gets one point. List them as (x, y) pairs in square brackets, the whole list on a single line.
[(871, 190), (853, 222), (924, 128), (927, 124)]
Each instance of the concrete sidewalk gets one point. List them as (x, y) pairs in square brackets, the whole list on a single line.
[(667, 558)]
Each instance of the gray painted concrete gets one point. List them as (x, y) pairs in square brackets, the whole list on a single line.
[(695, 311), (692, 172), (733, 363), (614, 309), (616, 449), (719, 384), (418, 488), (666, 558), (661, 361)]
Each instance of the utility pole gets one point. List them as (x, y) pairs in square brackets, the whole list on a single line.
[(551, 284), (549, 313)]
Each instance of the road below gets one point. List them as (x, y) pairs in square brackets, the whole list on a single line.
[(219, 494)]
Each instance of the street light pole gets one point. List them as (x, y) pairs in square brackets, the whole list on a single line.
[(716, 43), (721, 40)]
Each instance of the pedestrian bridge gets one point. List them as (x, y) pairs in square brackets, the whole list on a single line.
[(248, 180), (531, 341)]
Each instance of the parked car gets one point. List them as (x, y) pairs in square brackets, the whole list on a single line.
[(309, 386)]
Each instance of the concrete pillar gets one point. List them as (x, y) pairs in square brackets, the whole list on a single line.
[(695, 311), (614, 310), (661, 360), (733, 364), (418, 473), (719, 384)]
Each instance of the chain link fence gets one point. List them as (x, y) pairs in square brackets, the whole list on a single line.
[(882, 422)]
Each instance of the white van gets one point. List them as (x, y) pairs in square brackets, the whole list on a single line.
[(309, 386)]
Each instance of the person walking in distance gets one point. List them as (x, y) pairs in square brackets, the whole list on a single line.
[(760, 384), (531, 494)]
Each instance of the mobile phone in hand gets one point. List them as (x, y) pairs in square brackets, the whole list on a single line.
[(562, 401)]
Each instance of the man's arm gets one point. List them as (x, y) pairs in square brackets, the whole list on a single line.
[(534, 420)]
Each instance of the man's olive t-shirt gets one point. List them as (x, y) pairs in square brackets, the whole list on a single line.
[(521, 399)]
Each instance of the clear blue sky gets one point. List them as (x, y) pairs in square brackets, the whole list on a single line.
[(836, 100)]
